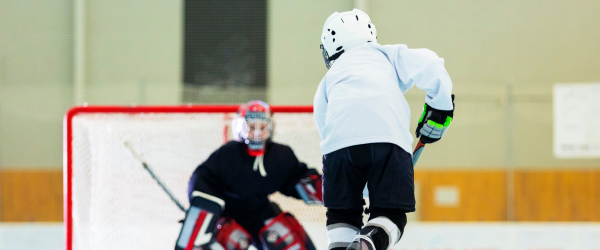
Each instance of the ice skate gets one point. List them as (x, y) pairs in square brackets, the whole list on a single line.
[(363, 242)]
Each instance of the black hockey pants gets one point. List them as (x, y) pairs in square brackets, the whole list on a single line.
[(388, 171)]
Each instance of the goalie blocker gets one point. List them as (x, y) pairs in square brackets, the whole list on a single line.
[(200, 221)]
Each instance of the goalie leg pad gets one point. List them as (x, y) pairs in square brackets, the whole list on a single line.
[(232, 236), (200, 221), (284, 232)]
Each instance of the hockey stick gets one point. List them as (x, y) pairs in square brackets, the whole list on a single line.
[(417, 152), (137, 156)]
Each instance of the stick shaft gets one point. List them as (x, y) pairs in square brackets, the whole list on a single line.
[(163, 186), (417, 152), (154, 176)]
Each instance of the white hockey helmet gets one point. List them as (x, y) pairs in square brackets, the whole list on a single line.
[(345, 31)]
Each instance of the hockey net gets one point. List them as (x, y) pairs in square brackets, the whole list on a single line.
[(111, 202)]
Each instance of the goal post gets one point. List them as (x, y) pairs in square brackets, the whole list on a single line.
[(111, 202)]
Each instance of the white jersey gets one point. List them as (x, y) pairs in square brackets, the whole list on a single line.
[(361, 98)]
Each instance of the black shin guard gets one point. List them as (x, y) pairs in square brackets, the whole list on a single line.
[(342, 227), (348, 216), (397, 216)]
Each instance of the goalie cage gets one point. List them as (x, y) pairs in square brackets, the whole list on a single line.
[(111, 202)]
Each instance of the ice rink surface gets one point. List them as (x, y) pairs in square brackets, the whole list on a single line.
[(418, 236), (29, 236)]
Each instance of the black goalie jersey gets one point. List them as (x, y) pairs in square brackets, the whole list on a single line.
[(229, 173)]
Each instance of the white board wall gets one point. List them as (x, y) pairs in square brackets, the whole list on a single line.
[(577, 120)]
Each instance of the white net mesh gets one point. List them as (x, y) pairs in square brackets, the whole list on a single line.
[(117, 204)]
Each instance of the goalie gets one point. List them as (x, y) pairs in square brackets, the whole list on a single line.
[(229, 204)]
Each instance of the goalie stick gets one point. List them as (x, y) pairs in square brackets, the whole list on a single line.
[(137, 156)]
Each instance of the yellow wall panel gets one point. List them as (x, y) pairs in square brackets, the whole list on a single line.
[(31, 195), (444, 195), (481, 195), (557, 195)]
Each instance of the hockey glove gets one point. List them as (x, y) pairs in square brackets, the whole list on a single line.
[(310, 188), (433, 123)]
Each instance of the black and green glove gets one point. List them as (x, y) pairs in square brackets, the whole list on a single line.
[(434, 123)]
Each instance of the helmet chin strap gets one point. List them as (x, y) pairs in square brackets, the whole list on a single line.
[(258, 162)]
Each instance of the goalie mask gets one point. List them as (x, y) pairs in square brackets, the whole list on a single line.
[(253, 126), (345, 31)]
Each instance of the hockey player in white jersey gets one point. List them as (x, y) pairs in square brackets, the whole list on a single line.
[(363, 120)]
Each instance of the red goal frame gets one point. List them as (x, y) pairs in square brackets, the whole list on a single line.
[(68, 138)]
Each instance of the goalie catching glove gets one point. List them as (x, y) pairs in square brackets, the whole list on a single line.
[(434, 123)]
